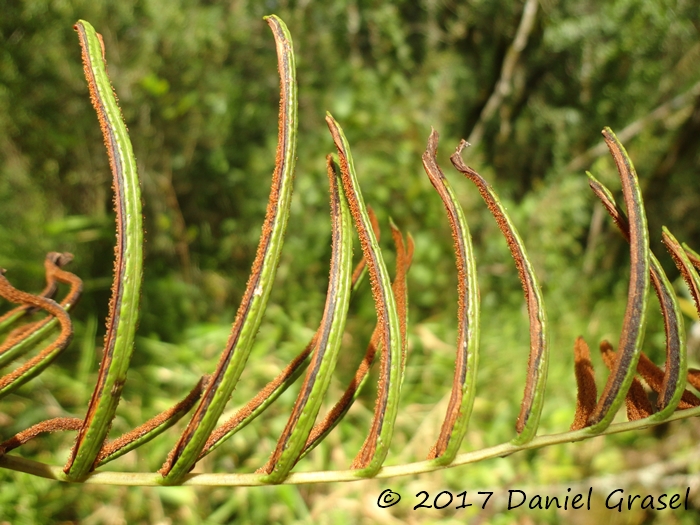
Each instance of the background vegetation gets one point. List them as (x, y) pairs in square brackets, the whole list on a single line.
[(198, 87)]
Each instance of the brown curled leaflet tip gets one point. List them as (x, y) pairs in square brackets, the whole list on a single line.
[(49, 291), (151, 428), (587, 393), (690, 275), (53, 259), (538, 362), (20, 340), (62, 276), (676, 358), (637, 402), (38, 363), (462, 396), (51, 425), (654, 377), (632, 333), (694, 377)]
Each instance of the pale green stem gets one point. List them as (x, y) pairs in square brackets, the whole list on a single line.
[(229, 480)]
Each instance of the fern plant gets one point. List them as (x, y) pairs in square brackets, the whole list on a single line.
[(388, 345)]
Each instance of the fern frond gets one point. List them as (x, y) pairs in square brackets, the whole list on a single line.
[(628, 364)]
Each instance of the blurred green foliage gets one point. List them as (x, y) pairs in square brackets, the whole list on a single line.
[(198, 86)]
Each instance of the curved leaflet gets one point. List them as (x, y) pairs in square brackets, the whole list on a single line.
[(632, 333), (325, 355), (128, 266), (459, 409), (404, 256), (373, 452), (675, 372), (538, 363), (186, 452)]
